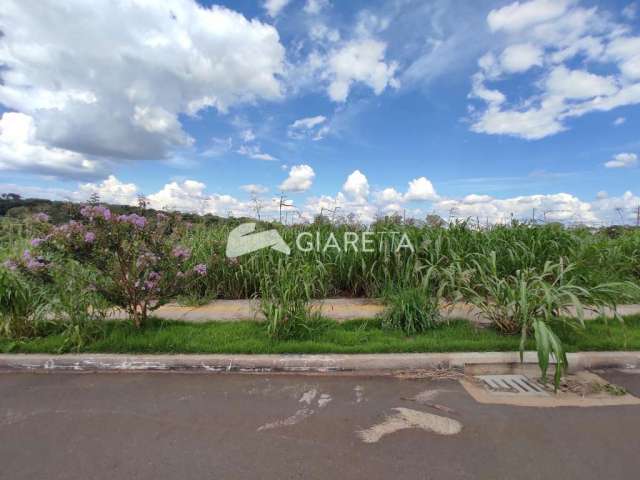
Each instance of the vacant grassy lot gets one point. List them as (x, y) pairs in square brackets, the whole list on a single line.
[(358, 336)]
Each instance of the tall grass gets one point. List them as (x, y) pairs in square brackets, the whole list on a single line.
[(521, 276), (441, 254), (21, 306)]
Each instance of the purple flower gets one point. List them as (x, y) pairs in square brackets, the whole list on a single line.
[(200, 269), (41, 217), (106, 213), (89, 237), (10, 264), (35, 264), (36, 241), (146, 259), (139, 221), (181, 253), (152, 281), (95, 212), (133, 219)]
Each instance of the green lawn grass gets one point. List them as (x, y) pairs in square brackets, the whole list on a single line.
[(359, 336)]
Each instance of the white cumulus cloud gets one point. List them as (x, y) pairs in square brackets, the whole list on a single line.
[(308, 122), (190, 196), (313, 7), (579, 84), (558, 207), (111, 190), (300, 179), (521, 57), (110, 79), (21, 150), (274, 7), (572, 45), (254, 151), (356, 186), (313, 127), (622, 160), (360, 60), (520, 15), (389, 195), (421, 189), (254, 188)]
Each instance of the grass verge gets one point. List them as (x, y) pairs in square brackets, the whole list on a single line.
[(358, 336)]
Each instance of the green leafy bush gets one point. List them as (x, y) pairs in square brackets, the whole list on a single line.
[(412, 310), (21, 306), (530, 299), (285, 296)]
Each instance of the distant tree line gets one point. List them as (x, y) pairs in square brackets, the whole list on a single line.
[(14, 206)]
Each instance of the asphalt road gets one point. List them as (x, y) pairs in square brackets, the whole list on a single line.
[(218, 426)]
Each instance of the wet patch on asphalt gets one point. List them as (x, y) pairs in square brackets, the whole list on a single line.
[(406, 418)]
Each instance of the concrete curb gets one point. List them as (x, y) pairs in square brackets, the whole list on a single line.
[(363, 363)]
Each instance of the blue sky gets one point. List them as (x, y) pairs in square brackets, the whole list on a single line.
[(468, 109)]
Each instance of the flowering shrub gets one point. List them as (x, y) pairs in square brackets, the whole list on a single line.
[(140, 264)]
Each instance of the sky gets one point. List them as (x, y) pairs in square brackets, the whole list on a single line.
[(486, 109)]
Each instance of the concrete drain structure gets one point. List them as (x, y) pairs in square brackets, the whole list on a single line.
[(512, 384), (522, 390)]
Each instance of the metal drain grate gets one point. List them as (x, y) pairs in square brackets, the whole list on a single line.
[(517, 384)]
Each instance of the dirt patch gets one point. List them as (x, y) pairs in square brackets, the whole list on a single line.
[(444, 373)]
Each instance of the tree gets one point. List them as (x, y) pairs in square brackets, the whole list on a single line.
[(435, 221), (10, 196), (140, 262), (94, 199)]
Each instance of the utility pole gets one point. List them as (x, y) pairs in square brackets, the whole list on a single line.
[(333, 213), (283, 203), (638, 216), (257, 205)]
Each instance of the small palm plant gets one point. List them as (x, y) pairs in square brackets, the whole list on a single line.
[(529, 301)]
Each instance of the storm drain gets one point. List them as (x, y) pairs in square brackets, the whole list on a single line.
[(516, 384)]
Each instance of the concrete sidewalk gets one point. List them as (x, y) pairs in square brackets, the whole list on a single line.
[(339, 309)]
